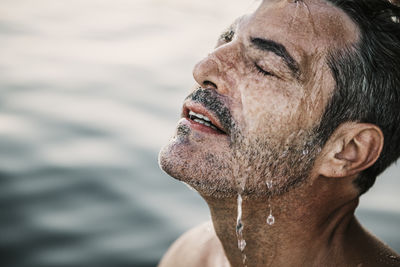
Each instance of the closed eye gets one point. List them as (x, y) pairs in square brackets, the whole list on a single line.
[(262, 71)]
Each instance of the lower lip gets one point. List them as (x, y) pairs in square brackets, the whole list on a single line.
[(199, 127)]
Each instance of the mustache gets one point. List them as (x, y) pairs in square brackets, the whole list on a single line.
[(211, 100)]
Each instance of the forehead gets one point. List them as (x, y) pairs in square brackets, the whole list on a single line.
[(304, 27)]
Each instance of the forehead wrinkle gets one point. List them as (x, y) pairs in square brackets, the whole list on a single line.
[(317, 23)]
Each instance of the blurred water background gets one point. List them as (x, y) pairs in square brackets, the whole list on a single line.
[(90, 91)]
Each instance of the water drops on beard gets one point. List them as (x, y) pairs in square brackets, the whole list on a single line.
[(269, 184)]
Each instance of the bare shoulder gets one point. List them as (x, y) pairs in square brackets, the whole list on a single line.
[(370, 251), (383, 254), (197, 247)]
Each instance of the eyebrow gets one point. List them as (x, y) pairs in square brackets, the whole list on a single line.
[(279, 50)]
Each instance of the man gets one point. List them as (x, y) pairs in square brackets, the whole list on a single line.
[(286, 130)]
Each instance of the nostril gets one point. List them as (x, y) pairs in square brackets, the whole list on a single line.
[(210, 84)]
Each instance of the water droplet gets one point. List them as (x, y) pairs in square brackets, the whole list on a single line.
[(271, 219), (269, 184), (305, 152), (241, 244)]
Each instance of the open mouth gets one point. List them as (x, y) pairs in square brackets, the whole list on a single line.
[(202, 117)]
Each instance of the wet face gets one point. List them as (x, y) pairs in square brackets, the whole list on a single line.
[(259, 97)]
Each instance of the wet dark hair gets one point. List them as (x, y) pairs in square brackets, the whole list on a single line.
[(367, 77)]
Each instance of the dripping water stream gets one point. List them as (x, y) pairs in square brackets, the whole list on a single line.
[(239, 229)]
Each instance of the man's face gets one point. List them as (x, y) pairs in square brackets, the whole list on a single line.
[(260, 94)]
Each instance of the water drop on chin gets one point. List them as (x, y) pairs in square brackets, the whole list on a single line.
[(270, 219), (269, 184)]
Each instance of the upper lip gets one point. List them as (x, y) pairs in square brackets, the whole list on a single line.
[(200, 109)]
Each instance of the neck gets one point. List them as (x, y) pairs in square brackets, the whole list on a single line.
[(309, 230)]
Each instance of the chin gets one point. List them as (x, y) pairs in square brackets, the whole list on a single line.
[(202, 162)]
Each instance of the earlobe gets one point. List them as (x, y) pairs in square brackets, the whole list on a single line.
[(351, 149)]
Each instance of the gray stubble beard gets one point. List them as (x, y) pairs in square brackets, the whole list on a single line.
[(251, 162), (287, 164)]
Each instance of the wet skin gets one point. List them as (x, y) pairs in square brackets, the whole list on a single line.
[(264, 88), (266, 100)]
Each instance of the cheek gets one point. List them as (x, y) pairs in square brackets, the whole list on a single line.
[(268, 108), (310, 109), (315, 97)]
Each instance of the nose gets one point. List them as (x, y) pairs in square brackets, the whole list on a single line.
[(211, 72), (206, 73)]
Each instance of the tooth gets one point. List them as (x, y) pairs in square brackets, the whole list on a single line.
[(200, 116), (199, 121)]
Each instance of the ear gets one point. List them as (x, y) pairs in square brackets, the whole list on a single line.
[(352, 148)]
